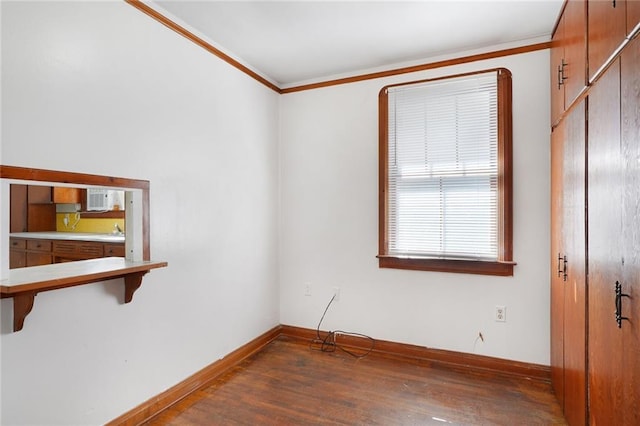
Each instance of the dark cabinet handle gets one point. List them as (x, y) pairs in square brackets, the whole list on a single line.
[(562, 267), (561, 76), (619, 296)]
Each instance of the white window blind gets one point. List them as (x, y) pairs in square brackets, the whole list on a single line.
[(443, 168)]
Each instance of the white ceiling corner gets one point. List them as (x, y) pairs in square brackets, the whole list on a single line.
[(291, 42)]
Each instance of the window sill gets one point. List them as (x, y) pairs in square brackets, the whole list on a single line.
[(24, 283), (504, 268)]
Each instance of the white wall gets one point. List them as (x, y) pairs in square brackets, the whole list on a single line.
[(329, 227), (99, 87)]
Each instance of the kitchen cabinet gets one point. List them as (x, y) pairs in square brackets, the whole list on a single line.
[(17, 253), (568, 57), (66, 251), (31, 209), (18, 208), (37, 194), (64, 195), (568, 278), (34, 252), (606, 31), (27, 252), (116, 250)]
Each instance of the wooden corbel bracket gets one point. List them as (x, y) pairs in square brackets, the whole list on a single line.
[(24, 283)]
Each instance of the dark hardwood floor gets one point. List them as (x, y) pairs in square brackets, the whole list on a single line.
[(289, 384)]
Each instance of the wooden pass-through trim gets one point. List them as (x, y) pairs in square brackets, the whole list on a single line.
[(54, 176)]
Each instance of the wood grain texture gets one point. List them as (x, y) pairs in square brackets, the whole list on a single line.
[(194, 383), (288, 383), (605, 200), (575, 291), (575, 49), (455, 360), (633, 15), (422, 67), (558, 137), (606, 31), (630, 134)]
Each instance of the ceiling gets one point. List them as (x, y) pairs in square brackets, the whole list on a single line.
[(295, 42)]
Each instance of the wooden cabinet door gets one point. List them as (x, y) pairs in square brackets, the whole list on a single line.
[(568, 57), (557, 58), (605, 200), (66, 195), (568, 278), (37, 194), (557, 263), (606, 31), (630, 134), (18, 207), (575, 49), (575, 303), (35, 258), (41, 217), (633, 14)]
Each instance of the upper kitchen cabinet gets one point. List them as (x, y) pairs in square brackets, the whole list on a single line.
[(31, 209), (607, 29), (64, 195), (37, 194), (568, 57)]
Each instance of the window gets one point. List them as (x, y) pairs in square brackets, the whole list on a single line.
[(445, 174)]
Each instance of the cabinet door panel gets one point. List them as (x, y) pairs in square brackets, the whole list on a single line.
[(575, 51), (35, 258), (605, 249), (557, 251), (557, 57), (41, 217), (37, 194), (633, 14), (573, 212), (18, 207), (630, 105), (66, 195), (17, 259), (606, 31)]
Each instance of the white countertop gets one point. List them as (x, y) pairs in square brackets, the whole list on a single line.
[(72, 236)]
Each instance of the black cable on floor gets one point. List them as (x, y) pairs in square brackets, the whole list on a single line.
[(328, 343)]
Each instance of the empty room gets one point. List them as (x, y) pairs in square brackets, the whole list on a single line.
[(320, 212)]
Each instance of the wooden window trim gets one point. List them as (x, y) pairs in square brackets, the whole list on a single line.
[(504, 264)]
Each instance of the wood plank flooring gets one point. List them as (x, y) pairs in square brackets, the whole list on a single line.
[(287, 383)]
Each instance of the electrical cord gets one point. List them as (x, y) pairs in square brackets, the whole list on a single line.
[(328, 343)]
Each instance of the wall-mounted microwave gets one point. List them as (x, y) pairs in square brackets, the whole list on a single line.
[(99, 199)]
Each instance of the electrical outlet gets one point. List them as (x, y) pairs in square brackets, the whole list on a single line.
[(65, 220), (336, 294), (307, 289), (501, 313)]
